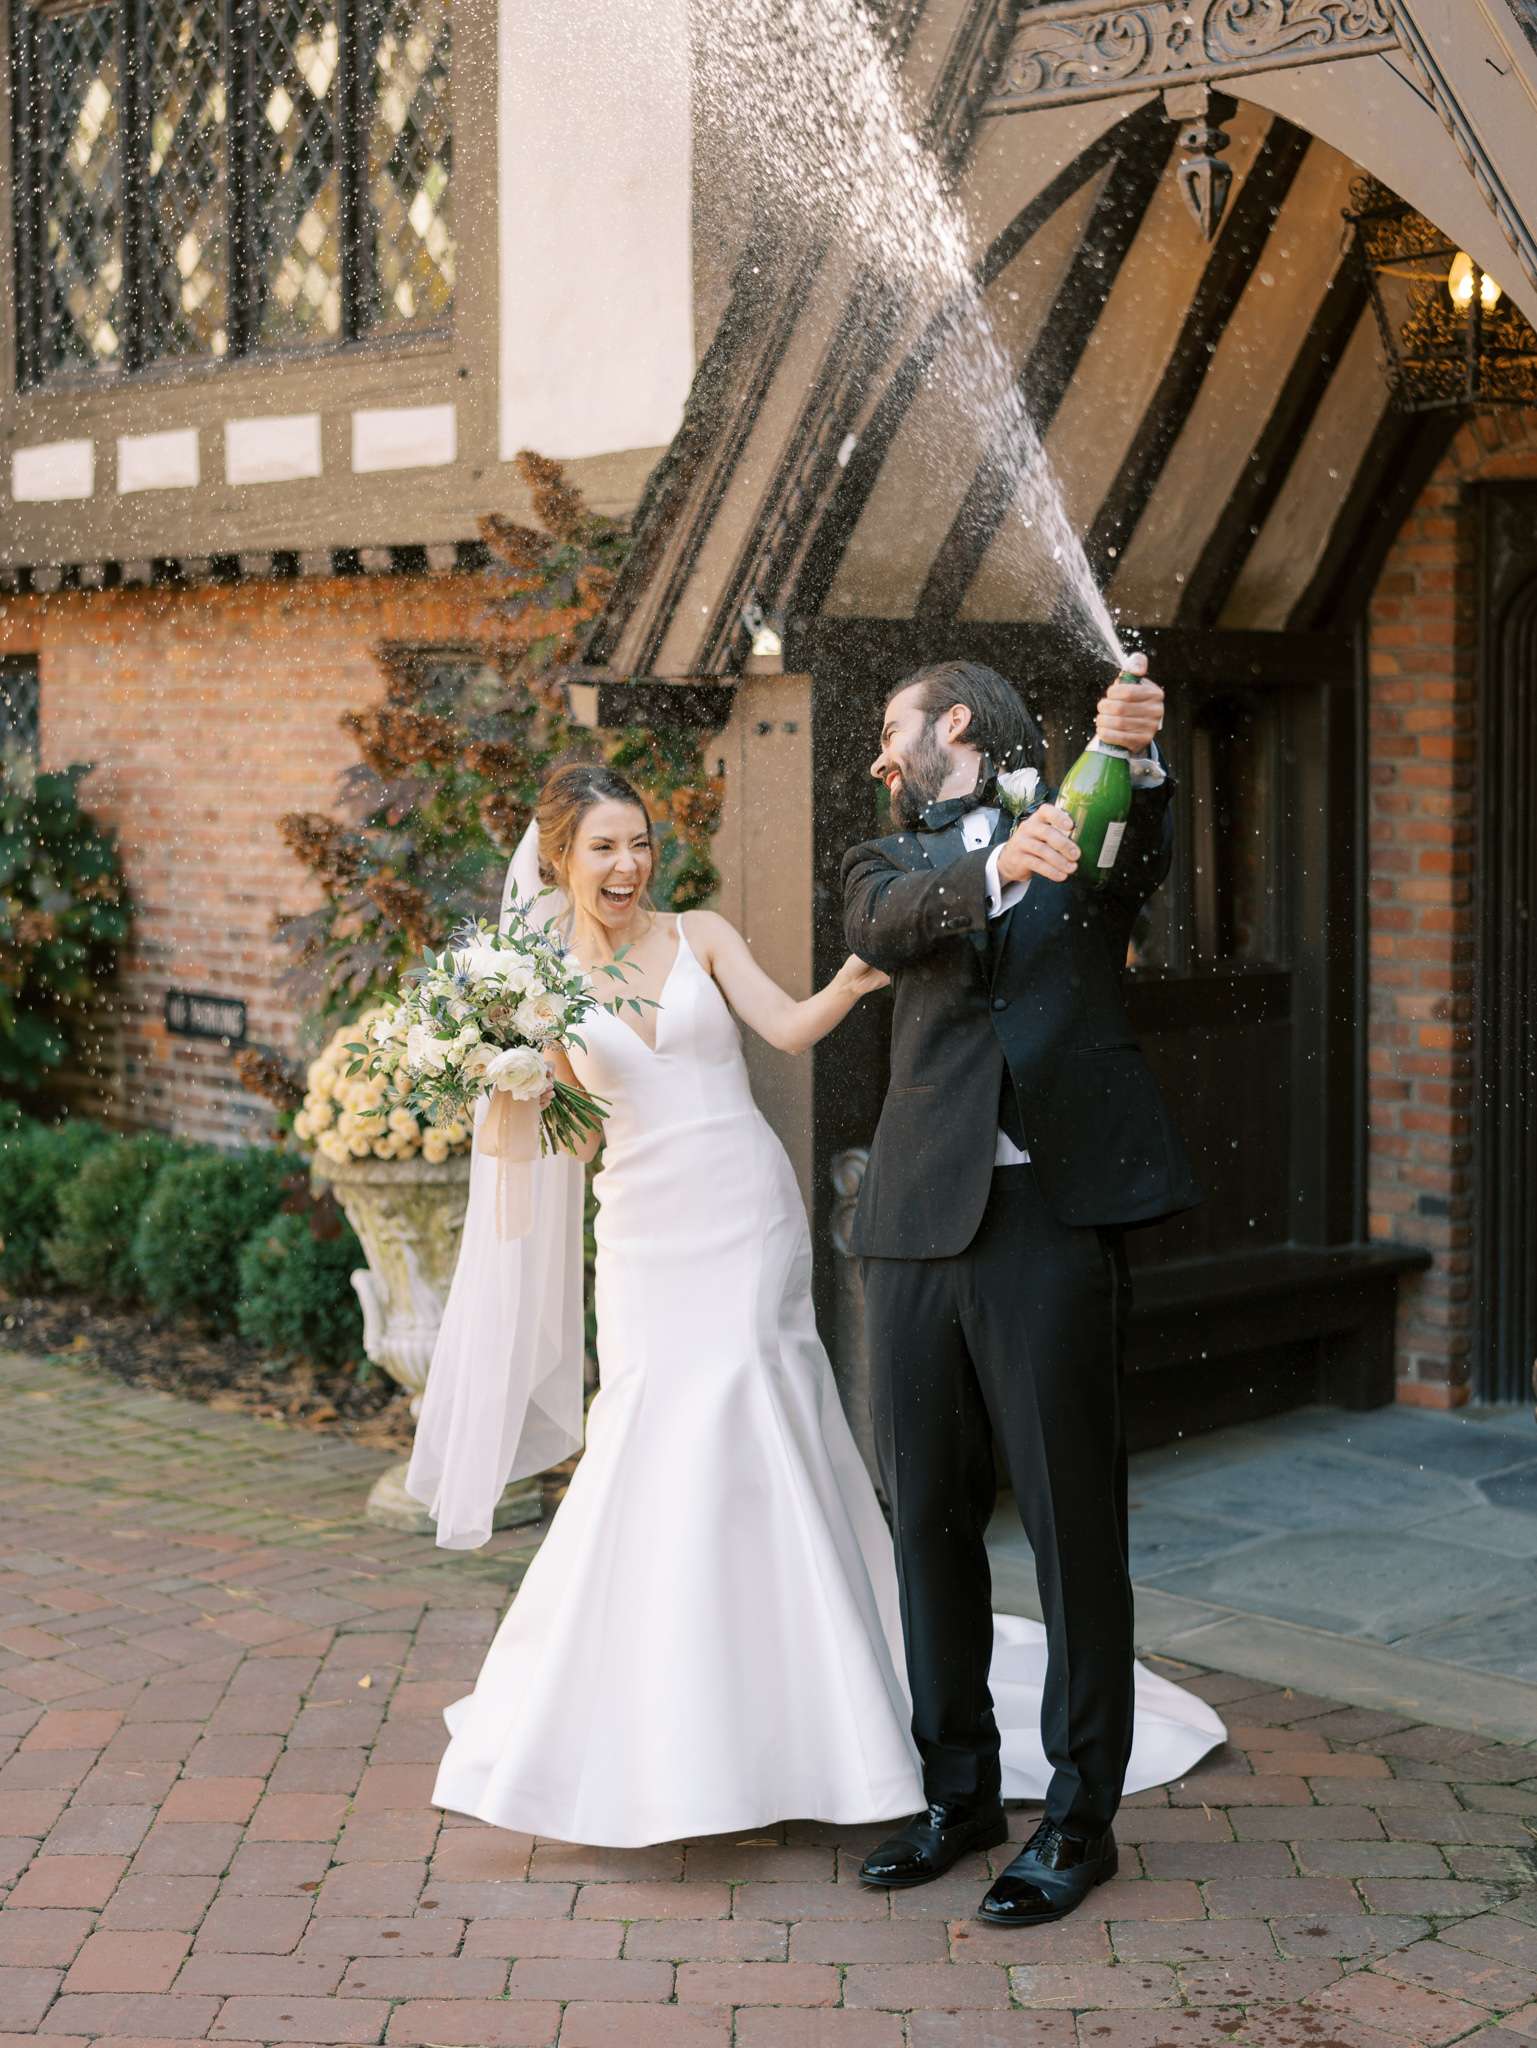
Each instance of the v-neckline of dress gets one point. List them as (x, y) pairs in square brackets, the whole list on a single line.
[(677, 954)]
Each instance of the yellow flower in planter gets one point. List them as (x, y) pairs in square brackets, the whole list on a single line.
[(356, 1116)]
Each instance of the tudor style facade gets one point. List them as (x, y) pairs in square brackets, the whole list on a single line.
[(1336, 592), (1335, 987)]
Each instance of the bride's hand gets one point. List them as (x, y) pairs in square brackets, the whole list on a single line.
[(549, 1088), (859, 978)]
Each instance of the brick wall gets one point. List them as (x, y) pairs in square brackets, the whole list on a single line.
[(208, 712), (1421, 919)]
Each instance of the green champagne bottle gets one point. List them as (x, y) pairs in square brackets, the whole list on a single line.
[(1096, 794)]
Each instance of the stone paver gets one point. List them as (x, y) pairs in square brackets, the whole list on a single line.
[(221, 1702)]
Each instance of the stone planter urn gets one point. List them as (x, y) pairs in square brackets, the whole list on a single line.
[(408, 1214)]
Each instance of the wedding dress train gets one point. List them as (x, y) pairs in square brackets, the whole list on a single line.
[(708, 1639)]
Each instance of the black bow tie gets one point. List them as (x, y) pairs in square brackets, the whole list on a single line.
[(949, 810)]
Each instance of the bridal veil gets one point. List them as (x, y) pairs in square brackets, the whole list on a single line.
[(504, 1389)]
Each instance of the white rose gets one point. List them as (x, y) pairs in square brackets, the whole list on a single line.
[(1017, 787), (476, 1061), (425, 1051), (520, 1071), (541, 1016), (491, 963)]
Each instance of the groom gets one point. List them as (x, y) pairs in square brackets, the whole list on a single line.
[(1022, 1131)]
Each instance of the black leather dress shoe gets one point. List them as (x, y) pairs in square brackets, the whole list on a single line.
[(1051, 1875), (932, 1841)]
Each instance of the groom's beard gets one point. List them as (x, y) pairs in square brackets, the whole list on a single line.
[(924, 773)]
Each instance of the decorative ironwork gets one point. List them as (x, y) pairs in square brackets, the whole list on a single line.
[(186, 299), (1451, 336), (79, 86), (1204, 179), (295, 170), (410, 158), (1090, 51)]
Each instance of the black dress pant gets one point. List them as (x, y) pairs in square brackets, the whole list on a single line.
[(1017, 1339)]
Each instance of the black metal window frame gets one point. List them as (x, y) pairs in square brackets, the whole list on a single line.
[(239, 22), (19, 703)]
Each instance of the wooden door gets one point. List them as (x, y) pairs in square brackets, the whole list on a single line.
[(1505, 1005)]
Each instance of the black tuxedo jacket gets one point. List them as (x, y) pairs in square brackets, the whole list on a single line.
[(1037, 990)]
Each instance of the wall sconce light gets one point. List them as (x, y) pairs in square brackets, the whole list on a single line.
[(1453, 340)]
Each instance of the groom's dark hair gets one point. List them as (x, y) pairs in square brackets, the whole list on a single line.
[(1000, 725)]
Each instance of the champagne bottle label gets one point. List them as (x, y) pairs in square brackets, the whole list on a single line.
[(1112, 844)]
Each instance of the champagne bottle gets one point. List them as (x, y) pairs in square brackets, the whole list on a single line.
[(1096, 794)]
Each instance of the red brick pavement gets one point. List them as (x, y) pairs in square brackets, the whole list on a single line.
[(218, 1733)]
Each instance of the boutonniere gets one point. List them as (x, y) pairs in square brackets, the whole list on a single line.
[(1016, 789)]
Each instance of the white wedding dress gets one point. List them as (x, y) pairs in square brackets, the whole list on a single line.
[(708, 1639)]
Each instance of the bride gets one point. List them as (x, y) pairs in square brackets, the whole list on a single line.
[(708, 1638)]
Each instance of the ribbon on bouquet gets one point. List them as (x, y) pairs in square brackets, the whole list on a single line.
[(509, 1134)]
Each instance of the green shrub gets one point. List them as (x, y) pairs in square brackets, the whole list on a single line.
[(99, 1211), (37, 1163), (64, 916), (195, 1224), (296, 1297)]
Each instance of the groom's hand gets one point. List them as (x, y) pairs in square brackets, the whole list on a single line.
[(1130, 715), (1040, 844)]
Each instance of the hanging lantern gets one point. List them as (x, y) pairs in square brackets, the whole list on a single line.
[(1452, 338)]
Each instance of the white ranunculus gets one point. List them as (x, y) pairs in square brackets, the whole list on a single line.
[(1017, 787), (519, 1071), (542, 1015)]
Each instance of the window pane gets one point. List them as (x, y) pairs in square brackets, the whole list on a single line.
[(296, 176), (410, 140), (18, 704), (185, 301), (79, 101)]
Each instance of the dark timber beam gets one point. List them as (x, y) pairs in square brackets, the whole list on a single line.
[(887, 649), (1052, 362), (1211, 582), (1397, 465), (828, 542), (1232, 263)]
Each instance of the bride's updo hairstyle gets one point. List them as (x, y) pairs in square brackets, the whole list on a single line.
[(567, 796)]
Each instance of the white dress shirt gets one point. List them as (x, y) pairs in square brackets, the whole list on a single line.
[(977, 828)]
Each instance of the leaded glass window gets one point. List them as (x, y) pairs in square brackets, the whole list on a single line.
[(207, 178), (79, 185)]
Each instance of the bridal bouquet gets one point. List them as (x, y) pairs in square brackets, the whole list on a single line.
[(479, 1019)]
